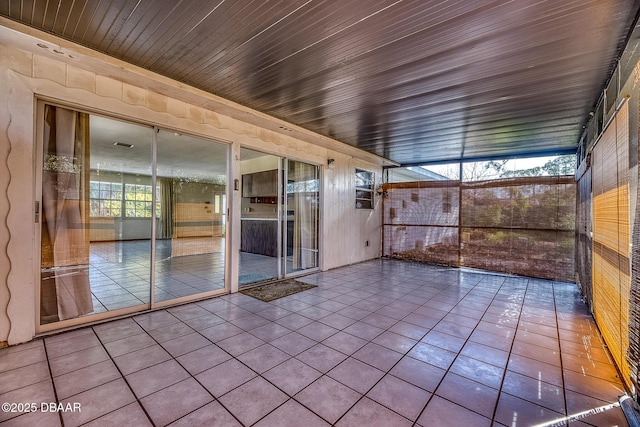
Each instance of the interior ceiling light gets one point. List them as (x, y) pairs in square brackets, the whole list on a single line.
[(122, 144)]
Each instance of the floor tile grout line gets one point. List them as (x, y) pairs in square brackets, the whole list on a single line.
[(458, 354), (561, 367), (380, 290), (111, 358), (289, 397), (101, 344), (325, 374), (564, 388), (53, 383), (215, 399), (504, 373), (605, 349), (388, 372), (239, 385)]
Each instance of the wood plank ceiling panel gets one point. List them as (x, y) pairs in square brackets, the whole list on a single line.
[(411, 80)]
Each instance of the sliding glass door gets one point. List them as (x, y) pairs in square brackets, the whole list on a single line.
[(190, 216), (279, 215), (133, 217), (302, 213), (117, 198), (95, 248), (260, 232)]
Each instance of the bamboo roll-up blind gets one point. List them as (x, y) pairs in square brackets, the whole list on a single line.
[(523, 225), (584, 261), (421, 221), (622, 138), (633, 354), (611, 278), (622, 133)]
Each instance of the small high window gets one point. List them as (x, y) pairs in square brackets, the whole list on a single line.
[(365, 184)]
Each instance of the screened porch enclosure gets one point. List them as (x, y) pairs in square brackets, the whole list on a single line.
[(523, 225)]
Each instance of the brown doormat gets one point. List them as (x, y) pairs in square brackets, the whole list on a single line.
[(273, 291)]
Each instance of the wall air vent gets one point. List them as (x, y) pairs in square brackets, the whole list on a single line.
[(122, 144)]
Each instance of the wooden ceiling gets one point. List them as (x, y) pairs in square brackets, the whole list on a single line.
[(414, 81)]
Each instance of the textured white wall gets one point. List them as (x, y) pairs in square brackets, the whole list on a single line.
[(347, 229), (139, 96)]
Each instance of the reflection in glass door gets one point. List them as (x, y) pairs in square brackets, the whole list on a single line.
[(100, 200), (96, 215), (260, 233), (302, 211), (190, 216), (279, 230)]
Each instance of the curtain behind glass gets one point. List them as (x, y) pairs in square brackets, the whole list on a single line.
[(65, 290), (305, 204), (166, 208)]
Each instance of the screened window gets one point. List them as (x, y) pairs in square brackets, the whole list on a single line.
[(364, 189)]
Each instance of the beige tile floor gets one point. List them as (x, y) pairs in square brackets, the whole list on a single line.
[(381, 343)]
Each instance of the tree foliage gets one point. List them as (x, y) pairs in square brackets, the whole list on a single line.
[(495, 169), (561, 165)]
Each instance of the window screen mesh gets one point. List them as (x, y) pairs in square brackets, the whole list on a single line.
[(518, 225)]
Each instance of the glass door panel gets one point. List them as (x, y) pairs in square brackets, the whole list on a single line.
[(95, 245), (302, 213), (190, 211), (260, 232)]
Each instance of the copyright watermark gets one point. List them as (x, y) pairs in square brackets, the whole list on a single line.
[(23, 407)]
